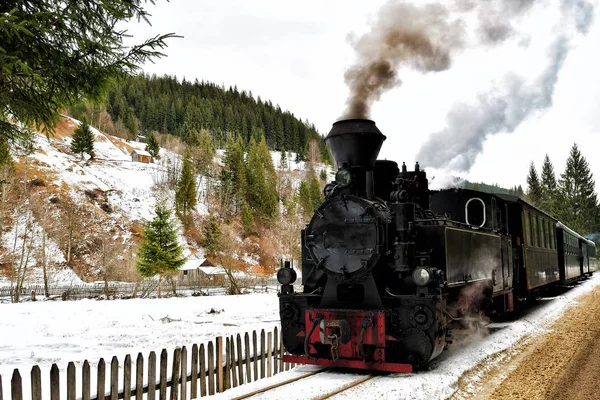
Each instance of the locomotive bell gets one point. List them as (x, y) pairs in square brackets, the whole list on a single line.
[(355, 143)]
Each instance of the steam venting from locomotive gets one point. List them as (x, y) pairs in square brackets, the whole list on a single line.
[(426, 38), (505, 106)]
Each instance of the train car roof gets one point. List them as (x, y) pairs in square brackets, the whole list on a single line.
[(516, 199)]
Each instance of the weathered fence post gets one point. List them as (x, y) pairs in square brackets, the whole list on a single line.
[(247, 354), (163, 374), (152, 376), (269, 355), (175, 374), (219, 365), (16, 386), (36, 383), (139, 377), (183, 395), (262, 353), (114, 378), (226, 375), (240, 361), (275, 353), (100, 386), (127, 378), (71, 381), (281, 350), (85, 381), (194, 383), (255, 348), (211, 368), (202, 371), (54, 383)]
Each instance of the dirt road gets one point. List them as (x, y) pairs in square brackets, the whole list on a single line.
[(562, 364)]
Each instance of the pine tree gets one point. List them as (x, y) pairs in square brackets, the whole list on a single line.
[(54, 53), (579, 201), (160, 253), (314, 187), (247, 221), (152, 146), (185, 195), (233, 179), (549, 188), (304, 199), (262, 179), (204, 153), (83, 140), (534, 190), (212, 236)]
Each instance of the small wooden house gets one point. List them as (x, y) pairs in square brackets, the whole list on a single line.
[(195, 271), (141, 156)]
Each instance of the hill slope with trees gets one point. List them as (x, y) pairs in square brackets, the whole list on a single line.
[(151, 104)]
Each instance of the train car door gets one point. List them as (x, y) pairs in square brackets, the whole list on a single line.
[(507, 262)]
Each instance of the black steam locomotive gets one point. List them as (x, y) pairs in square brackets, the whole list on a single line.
[(391, 269)]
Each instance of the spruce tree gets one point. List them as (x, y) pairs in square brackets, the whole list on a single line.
[(579, 200), (55, 53), (204, 153), (160, 253), (549, 188), (304, 199), (152, 146), (212, 236), (185, 195), (247, 221), (233, 179), (534, 189), (314, 187), (83, 140), (261, 179)]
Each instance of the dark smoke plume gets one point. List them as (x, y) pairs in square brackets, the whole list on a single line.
[(421, 37), (506, 106)]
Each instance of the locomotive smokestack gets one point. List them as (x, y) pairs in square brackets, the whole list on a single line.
[(355, 143)]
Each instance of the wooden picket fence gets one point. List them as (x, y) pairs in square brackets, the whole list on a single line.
[(215, 368)]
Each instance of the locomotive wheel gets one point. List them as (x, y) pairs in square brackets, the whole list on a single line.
[(417, 347)]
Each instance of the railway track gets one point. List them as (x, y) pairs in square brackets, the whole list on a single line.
[(272, 388), (345, 387)]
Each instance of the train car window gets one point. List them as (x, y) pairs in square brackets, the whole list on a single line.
[(475, 212), (544, 231), (534, 229), (527, 228), (552, 235)]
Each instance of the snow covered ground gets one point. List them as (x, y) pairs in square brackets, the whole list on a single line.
[(57, 332), (43, 333), (441, 380)]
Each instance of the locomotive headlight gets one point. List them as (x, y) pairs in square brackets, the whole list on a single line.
[(286, 276), (421, 276), (343, 177)]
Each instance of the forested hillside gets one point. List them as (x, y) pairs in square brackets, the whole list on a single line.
[(144, 104)]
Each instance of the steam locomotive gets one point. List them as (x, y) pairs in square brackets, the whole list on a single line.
[(391, 269)]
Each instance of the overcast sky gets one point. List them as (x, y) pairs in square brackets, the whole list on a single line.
[(295, 54)]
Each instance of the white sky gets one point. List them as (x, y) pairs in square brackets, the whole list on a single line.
[(295, 54)]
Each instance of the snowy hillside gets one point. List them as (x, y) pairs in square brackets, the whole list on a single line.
[(114, 196)]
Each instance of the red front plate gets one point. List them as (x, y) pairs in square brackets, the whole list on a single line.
[(349, 353)]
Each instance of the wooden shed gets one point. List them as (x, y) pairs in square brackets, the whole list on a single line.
[(195, 272), (141, 156)]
